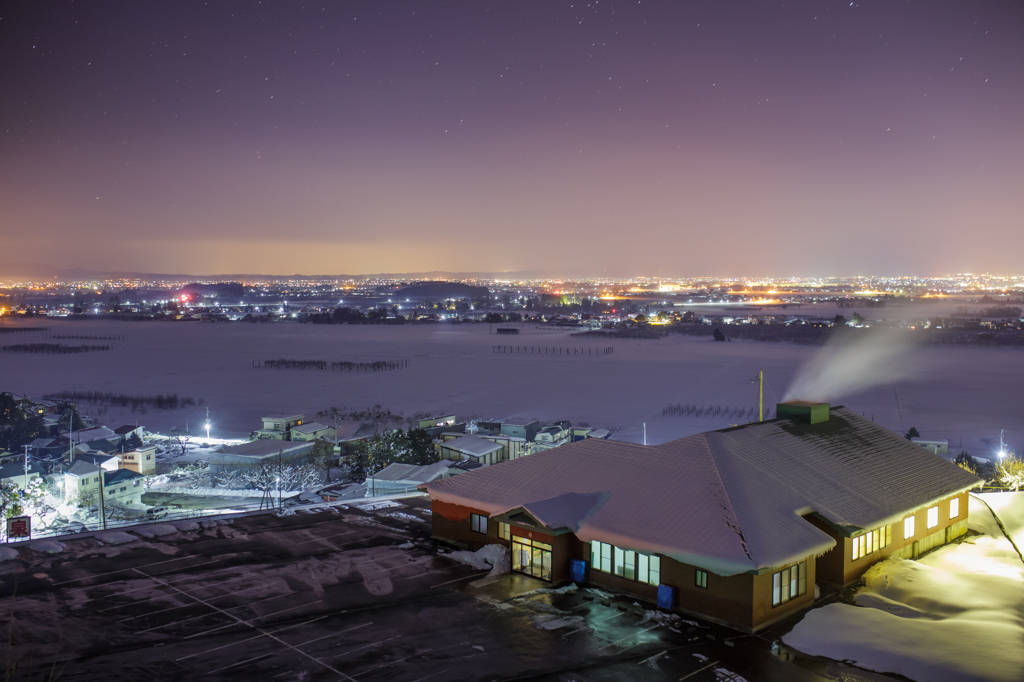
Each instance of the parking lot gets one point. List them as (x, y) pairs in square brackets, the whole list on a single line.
[(340, 593)]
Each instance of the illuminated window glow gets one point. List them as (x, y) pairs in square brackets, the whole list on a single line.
[(789, 583), (954, 508), (504, 531), (644, 568), (870, 542), (908, 528), (933, 517)]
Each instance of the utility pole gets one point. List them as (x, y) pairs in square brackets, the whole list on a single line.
[(26, 466), (103, 508), (645, 433)]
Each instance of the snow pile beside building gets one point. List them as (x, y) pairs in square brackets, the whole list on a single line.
[(7, 554), (955, 615), (1009, 508), (494, 557)]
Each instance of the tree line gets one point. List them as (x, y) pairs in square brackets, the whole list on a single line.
[(340, 366), (170, 401), (52, 348)]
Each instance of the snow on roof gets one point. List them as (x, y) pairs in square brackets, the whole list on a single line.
[(729, 501), (311, 427), (412, 472), (265, 447), (82, 468), (95, 433), (112, 477), (472, 446)]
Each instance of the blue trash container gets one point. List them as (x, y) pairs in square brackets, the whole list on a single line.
[(578, 570), (666, 597)]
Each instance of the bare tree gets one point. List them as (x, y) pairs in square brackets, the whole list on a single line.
[(182, 440)]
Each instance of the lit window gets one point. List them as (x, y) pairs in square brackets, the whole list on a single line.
[(644, 568), (908, 528), (478, 524), (933, 517), (702, 579), (789, 583), (504, 531), (954, 508)]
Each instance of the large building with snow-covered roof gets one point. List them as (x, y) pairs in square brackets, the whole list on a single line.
[(734, 525)]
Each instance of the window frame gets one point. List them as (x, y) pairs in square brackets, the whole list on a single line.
[(504, 531), (627, 564), (700, 578), (909, 527), (954, 504), (788, 584), (476, 522), (932, 517)]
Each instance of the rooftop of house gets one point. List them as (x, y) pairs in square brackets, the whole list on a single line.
[(412, 472), (82, 468), (12, 468), (119, 476), (265, 448), (472, 446), (311, 427), (730, 501), (125, 429)]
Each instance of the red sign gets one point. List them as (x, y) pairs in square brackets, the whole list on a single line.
[(19, 527)]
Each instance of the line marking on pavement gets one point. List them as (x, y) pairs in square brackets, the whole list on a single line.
[(317, 639), (327, 537), (709, 665), (390, 663), (367, 646), (475, 575), (248, 622), (420, 679), (258, 629), (248, 660), (122, 570)]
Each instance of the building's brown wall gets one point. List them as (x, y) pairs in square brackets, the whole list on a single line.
[(450, 522), (763, 611), (726, 599), (838, 567)]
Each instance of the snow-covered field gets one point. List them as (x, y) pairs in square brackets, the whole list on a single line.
[(957, 614), (963, 394)]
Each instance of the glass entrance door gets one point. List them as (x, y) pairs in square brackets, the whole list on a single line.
[(531, 557)]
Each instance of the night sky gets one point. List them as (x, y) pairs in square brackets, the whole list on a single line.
[(575, 138)]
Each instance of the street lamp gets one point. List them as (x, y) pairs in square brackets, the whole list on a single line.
[(207, 430)]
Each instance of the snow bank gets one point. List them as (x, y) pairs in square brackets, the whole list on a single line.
[(116, 538), (186, 525), (374, 506), (1009, 507), (157, 531), (7, 554), (47, 546), (494, 557), (924, 622)]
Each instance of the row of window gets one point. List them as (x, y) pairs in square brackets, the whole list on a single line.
[(872, 541), (789, 583), (877, 539), (643, 568)]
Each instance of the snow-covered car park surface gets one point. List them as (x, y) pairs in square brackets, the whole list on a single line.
[(343, 593)]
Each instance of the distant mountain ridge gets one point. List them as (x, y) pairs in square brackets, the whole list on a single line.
[(39, 271)]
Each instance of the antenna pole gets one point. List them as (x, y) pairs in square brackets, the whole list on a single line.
[(760, 396)]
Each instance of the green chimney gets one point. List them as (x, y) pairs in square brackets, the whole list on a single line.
[(812, 413)]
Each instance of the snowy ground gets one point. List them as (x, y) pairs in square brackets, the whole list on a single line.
[(955, 615), (963, 394)]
